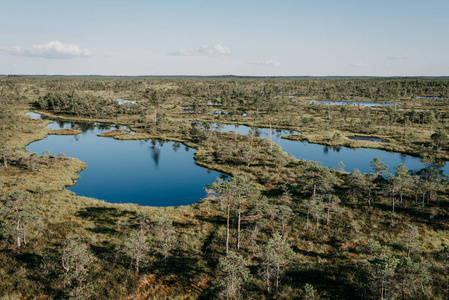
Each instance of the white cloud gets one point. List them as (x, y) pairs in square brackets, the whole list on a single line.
[(52, 49), (268, 63), (206, 50), (404, 56)]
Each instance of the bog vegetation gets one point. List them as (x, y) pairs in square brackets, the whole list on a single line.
[(281, 228)]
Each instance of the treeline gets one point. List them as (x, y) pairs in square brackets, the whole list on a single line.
[(85, 105), (341, 88)]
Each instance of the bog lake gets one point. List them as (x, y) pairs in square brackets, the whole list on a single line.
[(161, 173)]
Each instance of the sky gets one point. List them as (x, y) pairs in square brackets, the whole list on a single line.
[(246, 37)]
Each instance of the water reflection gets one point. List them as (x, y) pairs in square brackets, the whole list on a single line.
[(120, 171), (430, 97), (351, 103), (138, 171), (155, 152), (331, 156), (176, 146), (34, 115), (333, 148), (121, 101)]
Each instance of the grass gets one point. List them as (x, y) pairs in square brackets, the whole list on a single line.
[(65, 132), (114, 133)]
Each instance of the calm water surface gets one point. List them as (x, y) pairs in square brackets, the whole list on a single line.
[(34, 115), (330, 156), (352, 103), (123, 101), (143, 172), (164, 174)]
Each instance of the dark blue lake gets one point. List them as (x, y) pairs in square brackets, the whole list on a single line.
[(330, 156), (151, 173)]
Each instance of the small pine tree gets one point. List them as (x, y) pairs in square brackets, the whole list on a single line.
[(234, 274), (309, 292), (136, 247), (18, 217)]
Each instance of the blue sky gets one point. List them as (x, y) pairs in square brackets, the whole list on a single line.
[(274, 38)]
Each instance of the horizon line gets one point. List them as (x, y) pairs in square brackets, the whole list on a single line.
[(230, 76)]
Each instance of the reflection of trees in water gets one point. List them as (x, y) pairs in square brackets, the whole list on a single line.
[(278, 131), (176, 146), (83, 126), (257, 132), (327, 148), (224, 176), (155, 152), (153, 143), (61, 124), (104, 126)]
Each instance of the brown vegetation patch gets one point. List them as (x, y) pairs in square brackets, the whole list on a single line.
[(65, 132), (114, 133)]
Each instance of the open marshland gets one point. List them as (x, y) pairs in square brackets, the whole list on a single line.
[(130, 189)]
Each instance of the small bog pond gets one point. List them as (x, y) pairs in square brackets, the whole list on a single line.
[(216, 112), (123, 101), (152, 173), (351, 103), (330, 156), (34, 115), (430, 97)]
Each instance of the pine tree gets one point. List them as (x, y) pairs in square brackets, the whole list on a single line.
[(379, 167), (237, 193), (165, 236), (277, 254), (75, 260), (234, 273), (18, 216), (136, 247)]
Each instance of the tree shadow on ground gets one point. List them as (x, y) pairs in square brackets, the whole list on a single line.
[(32, 260), (105, 214), (334, 280), (105, 218)]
